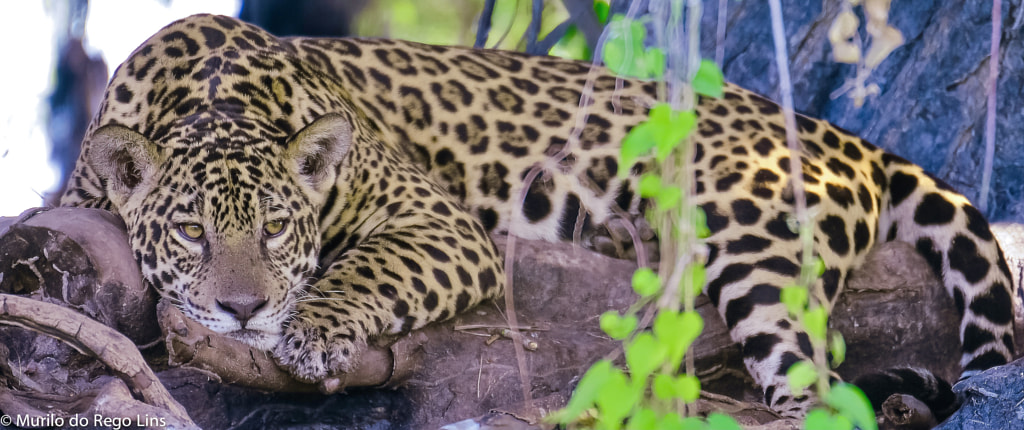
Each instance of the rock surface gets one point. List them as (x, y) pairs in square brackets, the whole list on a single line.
[(932, 104), (992, 400)]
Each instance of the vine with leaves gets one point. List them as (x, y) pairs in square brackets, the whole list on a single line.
[(650, 392)]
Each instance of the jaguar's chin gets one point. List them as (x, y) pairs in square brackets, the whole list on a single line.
[(258, 339)]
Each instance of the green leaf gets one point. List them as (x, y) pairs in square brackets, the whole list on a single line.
[(664, 129), (688, 387), (614, 55), (601, 9), (586, 392), (624, 51), (654, 59), (645, 282), (668, 197), (840, 422), (851, 403), (660, 114), (677, 331), (650, 185), (837, 346), (818, 419), (692, 325), (719, 421), (643, 355), (664, 386), (816, 323), (616, 326), (822, 419), (670, 128), (800, 376), (671, 421), (693, 423), (709, 80), (638, 142), (819, 266), (795, 299), (643, 419), (700, 222), (614, 52), (696, 274), (615, 399), (685, 387), (637, 32)]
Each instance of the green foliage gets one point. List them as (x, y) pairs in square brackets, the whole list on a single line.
[(851, 403), (591, 384), (718, 421), (616, 326), (850, 409), (428, 21), (663, 130), (696, 274), (650, 393), (601, 10), (837, 346), (653, 394), (624, 52), (709, 80), (821, 419), (816, 322), (645, 354), (795, 298), (616, 399), (700, 221), (676, 331), (800, 376), (645, 282), (574, 44)]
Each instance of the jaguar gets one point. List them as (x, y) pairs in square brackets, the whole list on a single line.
[(306, 195)]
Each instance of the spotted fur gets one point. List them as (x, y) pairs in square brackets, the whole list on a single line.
[(306, 194)]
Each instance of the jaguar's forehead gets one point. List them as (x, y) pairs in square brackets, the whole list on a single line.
[(225, 182), (218, 129)]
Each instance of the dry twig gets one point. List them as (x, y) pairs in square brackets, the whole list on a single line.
[(90, 337)]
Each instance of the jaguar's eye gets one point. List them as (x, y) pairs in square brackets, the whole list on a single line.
[(191, 231), (274, 228)]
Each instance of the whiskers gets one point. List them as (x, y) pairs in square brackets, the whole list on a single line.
[(170, 297), (312, 293), (320, 299), (307, 292)]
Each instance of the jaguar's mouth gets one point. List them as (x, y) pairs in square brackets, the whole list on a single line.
[(258, 339)]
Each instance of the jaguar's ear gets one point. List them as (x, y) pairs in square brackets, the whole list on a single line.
[(319, 147), (123, 158)]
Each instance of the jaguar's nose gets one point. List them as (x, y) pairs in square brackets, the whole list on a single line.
[(242, 308)]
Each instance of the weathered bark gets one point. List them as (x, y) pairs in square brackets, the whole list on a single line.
[(80, 259), (191, 344)]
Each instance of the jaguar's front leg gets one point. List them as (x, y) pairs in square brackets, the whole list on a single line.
[(396, 280)]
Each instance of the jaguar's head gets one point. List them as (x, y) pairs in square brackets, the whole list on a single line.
[(222, 220)]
